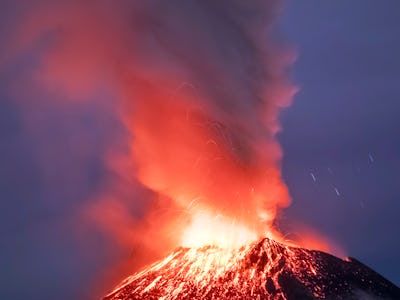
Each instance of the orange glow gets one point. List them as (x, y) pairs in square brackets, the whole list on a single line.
[(206, 229), (201, 124), (225, 181), (201, 118)]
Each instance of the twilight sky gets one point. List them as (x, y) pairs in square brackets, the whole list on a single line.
[(344, 126), (340, 141)]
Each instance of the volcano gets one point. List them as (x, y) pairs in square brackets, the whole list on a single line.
[(262, 270)]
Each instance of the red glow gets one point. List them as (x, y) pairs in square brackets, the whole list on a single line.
[(201, 124), (183, 153)]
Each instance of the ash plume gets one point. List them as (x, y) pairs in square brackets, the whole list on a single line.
[(197, 85)]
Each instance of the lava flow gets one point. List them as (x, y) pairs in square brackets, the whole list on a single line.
[(261, 270)]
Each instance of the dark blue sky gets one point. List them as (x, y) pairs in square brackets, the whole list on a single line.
[(343, 129), (344, 126)]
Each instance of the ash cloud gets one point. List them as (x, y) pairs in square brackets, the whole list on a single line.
[(183, 95)]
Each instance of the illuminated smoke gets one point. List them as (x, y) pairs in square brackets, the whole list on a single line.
[(203, 90), (198, 85)]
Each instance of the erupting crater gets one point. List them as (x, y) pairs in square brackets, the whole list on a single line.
[(261, 270)]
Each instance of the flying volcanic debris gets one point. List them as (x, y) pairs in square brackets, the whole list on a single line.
[(202, 95)]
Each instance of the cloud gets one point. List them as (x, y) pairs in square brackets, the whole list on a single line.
[(187, 94)]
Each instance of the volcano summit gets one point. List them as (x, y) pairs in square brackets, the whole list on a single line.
[(262, 270)]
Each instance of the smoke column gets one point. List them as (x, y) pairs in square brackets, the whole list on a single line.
[(197, 85)]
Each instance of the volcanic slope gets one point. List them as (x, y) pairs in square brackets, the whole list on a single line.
[(262, 270)]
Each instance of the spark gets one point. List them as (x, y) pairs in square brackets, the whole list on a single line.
[(337, 191), (313, 177), (371, 159)]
